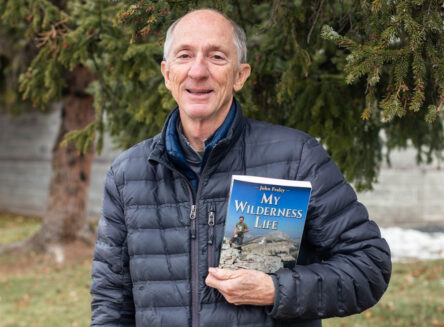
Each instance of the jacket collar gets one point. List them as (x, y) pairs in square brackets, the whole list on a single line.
[(159, 148)]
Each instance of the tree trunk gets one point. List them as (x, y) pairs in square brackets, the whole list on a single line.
[(65, 218)]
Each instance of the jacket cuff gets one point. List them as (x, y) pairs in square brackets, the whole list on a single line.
[(271, 310), (287, 302)]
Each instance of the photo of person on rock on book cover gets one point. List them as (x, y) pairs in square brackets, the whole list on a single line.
[(238, 234)]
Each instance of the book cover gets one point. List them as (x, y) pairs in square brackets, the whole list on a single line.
[(264, 224)]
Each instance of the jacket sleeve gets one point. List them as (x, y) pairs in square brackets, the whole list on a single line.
[(355, 265), (111, 287)]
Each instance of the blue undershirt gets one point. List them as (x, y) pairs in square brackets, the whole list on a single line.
[(184, 155)]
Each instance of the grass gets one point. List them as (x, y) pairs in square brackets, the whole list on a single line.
[(46, 297), (15, 228), (415, 297), (35, 291)]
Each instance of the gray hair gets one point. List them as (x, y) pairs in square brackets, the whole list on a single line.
[(239, 38)]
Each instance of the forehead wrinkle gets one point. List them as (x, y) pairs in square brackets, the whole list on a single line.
[(206, 48)]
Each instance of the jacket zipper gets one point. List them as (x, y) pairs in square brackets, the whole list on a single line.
[(194, 199), (193, 221), (211, 218), (195, 252)]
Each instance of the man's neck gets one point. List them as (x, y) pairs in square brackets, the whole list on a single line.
[(197, 131)]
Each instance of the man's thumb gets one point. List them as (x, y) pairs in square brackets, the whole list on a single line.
[(220, 273)]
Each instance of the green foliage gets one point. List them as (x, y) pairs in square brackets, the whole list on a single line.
[(388, 66), (15, 55), (405, 41)]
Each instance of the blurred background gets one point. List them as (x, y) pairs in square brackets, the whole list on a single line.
[(406, 194), (80, 81)]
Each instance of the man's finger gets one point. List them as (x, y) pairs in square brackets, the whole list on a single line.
[(211, 281), (214, 281), (221, 273)]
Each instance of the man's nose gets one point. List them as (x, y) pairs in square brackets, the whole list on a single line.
[(199, 68)]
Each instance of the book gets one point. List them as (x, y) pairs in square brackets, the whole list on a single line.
[(264, 223)]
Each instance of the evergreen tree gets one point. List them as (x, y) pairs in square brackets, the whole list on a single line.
[(398, 46), (32, 30), (386, 76)]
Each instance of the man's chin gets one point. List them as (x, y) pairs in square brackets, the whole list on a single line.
[(197, 111)]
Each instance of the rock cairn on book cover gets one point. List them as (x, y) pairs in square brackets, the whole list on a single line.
[(264, 224)]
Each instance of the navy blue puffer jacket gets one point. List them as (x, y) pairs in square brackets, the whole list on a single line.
[(149, 270)]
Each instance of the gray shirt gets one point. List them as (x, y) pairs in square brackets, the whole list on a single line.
[(193, 158)]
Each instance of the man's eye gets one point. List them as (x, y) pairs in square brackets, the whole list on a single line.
[(183, 55), (218, 57)]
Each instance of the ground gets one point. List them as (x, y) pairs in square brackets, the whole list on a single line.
[(38, 291)]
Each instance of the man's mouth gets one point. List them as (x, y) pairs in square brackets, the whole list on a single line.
[(194, 91)]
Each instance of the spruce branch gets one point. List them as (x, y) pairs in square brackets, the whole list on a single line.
[(315, 21), (57, 29)]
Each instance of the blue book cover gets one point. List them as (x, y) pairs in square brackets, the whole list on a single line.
[(264, 224)]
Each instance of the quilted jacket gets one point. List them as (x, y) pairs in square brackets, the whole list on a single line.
[(156, 239)]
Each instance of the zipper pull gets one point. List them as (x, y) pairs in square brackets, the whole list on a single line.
[(211, 224), (193, 221)]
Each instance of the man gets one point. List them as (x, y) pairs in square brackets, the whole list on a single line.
[(165, 202), (238, 233)]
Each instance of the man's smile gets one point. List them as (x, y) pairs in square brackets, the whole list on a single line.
[(199, 91)]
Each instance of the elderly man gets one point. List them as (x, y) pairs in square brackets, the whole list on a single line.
[(165, 202)]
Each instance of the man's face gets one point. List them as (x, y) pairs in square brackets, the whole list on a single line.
[(202, 67), (241, 219)]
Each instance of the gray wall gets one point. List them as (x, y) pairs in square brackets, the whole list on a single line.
[(25, 163), (406, 195)]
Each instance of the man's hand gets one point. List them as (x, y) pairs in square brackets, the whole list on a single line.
[(242, 286)]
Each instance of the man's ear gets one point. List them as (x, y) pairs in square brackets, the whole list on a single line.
[(242, 74), (166, 73)]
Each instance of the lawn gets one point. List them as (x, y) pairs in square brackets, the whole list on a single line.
[(415, 297), (35, 291)]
